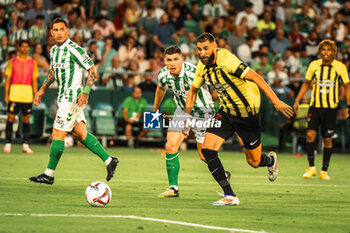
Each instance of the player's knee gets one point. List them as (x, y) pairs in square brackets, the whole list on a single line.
[(11, 118), (327, 142), (310, 136), (76, 136), (253, 162), (170, 148), (25, 119)]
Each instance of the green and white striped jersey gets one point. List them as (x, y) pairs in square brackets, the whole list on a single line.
[(204, 105), (18, 34), (68, 62)]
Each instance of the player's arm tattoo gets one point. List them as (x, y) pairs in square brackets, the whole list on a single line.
[(50, 79), (91, 79)]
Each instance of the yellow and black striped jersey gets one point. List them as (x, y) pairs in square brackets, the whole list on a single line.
[(326, 82), (238, 96)]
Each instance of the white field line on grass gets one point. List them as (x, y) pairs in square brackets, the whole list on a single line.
[(138, 218), (191, 182)]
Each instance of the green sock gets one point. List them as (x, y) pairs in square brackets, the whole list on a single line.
[(172, 167), (95, 146), (56, 150)]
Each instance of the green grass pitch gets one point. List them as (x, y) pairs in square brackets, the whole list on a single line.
[(290, 204)]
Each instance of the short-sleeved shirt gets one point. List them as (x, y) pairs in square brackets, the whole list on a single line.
[(238, 96), (134, 106), (68, 62), (179, 86), (326, 82), (38, 34), (305, 28), (18, 34), (214, 12)]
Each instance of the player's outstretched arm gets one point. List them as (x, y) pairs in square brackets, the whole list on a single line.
[(160, 93), (39, 94), (90, 81), (280, 106)]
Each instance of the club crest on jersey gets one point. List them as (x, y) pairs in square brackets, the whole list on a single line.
[(186, 85)]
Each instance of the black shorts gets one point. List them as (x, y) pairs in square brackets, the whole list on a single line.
[(14, 107), (248, 129), (324, 117)]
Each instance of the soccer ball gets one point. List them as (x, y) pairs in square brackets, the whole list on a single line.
[(98, 194), (68, 141)]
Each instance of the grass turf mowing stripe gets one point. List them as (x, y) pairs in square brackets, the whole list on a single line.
[(135, 217), (195, 182)]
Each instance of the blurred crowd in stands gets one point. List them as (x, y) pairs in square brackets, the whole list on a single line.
[(126, 38)]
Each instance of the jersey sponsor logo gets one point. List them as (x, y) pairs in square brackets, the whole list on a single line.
[(180, 92), (325, 83), (58, 65), (151, 120), (221, 87)]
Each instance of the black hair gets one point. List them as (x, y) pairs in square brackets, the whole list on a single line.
[(206, 36), (58, 20), (172, 50), (40, 16), (23, 41)]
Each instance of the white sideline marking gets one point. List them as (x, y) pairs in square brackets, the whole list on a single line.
[(136, 217), (191, 182)]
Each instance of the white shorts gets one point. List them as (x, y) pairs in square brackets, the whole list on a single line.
[(68, 115), (180, 116)]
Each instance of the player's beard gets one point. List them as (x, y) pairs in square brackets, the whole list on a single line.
[(209, 61)]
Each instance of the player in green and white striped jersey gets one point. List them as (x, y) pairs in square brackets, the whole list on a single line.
[(67, 60), (177, 76)]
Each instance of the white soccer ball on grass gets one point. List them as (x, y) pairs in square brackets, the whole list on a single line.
[(98, 194)]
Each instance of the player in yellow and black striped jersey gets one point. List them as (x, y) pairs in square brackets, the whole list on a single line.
[(238, 89), (325, 74)]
